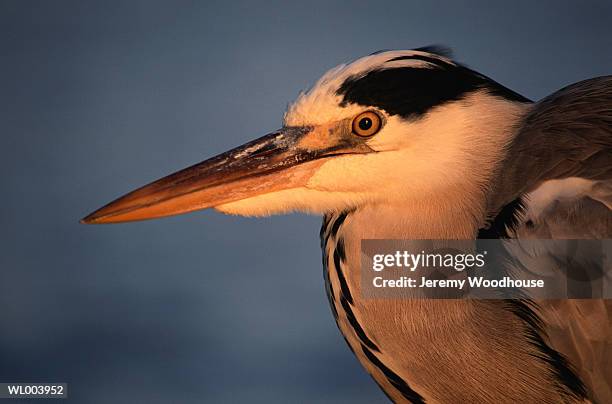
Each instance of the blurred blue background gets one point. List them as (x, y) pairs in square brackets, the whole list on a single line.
[(97, 98)]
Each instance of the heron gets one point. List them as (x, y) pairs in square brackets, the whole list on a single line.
[(411, 144)]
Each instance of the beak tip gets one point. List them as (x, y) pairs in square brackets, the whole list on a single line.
[(92, 218)]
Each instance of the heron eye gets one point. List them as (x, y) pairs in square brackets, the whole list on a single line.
[(366, 124)]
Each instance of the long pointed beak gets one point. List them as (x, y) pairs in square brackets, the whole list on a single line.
[(270, 163)]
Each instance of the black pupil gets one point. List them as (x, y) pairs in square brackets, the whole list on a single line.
[(365, 123)]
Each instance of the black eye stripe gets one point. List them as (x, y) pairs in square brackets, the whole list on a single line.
[(411, 91)]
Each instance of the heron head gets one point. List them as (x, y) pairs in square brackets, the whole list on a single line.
[(391, 127)]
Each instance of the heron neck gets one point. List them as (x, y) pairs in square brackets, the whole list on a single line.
[(424, 220)]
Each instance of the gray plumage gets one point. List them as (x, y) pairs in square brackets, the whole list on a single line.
[(567, 134)]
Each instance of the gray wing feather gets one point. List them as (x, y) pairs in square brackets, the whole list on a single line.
[(569, 134)]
